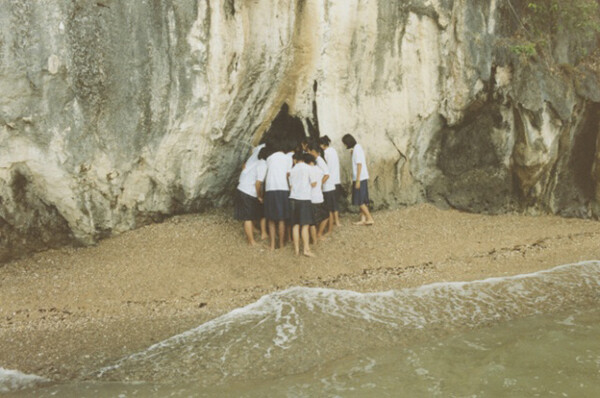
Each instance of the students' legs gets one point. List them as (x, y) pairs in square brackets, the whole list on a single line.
[(365, 215), (336, 215), (263, 229), (272, 233), (321, 229), (331, 220), (249, 230), (281, 234), (305, 242), (296, 238), (363, 218), (313, 234)]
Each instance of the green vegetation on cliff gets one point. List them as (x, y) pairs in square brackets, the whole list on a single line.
[(550, 26)]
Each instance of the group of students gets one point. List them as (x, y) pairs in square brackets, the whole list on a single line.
[(292, 191)]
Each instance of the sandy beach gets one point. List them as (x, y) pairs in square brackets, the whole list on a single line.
[(65, 313)]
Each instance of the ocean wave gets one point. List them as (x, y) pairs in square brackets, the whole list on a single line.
[(298, 328)]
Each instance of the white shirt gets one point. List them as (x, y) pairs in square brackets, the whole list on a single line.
[(254, 156), (300, 180), (358, 157), (333, 163), (255, 172), (316, 194), (278, 167), (323, 166), (261, 170)]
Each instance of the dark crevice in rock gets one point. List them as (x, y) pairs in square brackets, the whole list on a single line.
[(229, 8), (583, 152), (285, 127), (575, 181), (313, 124), (469, 156), (27, 222)]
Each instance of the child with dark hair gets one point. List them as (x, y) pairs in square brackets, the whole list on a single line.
[(315, 150), (332, 185), (360, 178), (249, 196), (254, 155), (320, 213), (277, 205), (301, 183)]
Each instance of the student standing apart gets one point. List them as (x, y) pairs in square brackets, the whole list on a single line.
[(277, 205), (360, 177), (301, 183)]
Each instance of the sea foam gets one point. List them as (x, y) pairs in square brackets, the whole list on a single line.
[(12, 380)]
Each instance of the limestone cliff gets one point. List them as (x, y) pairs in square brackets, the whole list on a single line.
[(117, 113)]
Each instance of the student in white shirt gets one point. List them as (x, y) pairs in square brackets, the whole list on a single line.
[(360, 178), (261, 175), (301, 183), (249, 197), (277, 205), (332, 187), (320, 213), (291, 149), (315, 150)]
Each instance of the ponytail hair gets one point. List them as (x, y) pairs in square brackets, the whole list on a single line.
[(265, 152), (324, 140), (308, 158)]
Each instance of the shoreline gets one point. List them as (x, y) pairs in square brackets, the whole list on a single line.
[(66, 313)]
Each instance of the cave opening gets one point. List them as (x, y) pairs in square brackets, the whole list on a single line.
[(290, 130), (583, 154)]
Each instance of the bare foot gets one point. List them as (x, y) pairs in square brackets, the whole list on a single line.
[(369, 222), (359, 223), (308, 253), (264, 237)]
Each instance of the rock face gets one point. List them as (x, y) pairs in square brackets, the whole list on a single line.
[(117, 113)]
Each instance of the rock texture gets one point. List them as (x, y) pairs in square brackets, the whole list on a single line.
[(117, 113)]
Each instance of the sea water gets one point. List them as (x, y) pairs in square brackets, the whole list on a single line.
[(526, 336)]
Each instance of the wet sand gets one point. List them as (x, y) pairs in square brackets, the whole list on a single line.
[(65, 313)]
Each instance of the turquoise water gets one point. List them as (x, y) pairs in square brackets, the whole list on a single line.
[(526, 336)]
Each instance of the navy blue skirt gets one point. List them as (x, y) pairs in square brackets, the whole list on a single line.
[(320, 213), (360, 196), (331, 201), (247, 208), (302, 212), (277, 205)]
